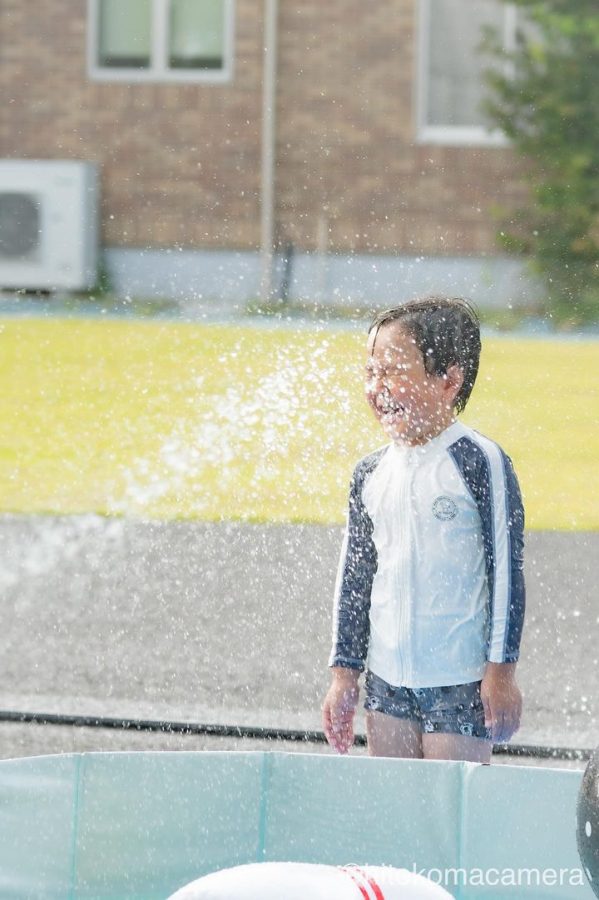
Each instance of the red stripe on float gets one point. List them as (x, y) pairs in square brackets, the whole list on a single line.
[(378, 894), (362, 889), (376, 891)]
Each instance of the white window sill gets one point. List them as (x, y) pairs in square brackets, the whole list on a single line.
[(203, 76), (462, 137)]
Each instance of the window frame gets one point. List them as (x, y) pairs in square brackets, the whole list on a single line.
[(158, 70), (453, 135)]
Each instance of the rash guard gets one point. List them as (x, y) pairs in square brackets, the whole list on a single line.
[(430, 582)]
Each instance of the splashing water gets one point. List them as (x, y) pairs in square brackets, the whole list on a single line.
[(235, 452)]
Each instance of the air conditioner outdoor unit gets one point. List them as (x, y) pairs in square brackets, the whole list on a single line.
[(48, 224)]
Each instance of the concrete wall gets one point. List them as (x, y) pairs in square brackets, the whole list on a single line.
[(230, 280)]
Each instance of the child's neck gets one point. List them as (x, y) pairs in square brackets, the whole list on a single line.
[(421, 440)]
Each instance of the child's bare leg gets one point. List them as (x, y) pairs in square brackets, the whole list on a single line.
[(390, 736), (456, 746)]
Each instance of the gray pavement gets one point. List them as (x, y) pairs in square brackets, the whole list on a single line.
[(230, 623)]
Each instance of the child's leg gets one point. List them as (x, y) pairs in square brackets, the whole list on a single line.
[(392, 720), (454, 723), (456, 746), (390, 736)]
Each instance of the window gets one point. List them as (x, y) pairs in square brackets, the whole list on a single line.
[(161, 40), (450, 83)]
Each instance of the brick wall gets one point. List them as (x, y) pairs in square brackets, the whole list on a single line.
[(180, 163), (347, 145)]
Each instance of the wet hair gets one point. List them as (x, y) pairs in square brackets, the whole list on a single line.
[(446, 331)]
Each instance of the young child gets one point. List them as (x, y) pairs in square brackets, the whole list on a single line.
[(430, 592)]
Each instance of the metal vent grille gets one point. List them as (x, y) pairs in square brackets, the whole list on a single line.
[(20, 230)]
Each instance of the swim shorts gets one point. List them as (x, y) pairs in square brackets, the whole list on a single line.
[(456, 709)]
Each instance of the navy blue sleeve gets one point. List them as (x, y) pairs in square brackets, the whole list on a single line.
[(517, 590), (357, 565), (490, 477)]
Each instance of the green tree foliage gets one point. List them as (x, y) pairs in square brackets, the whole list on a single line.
[(544, 96)]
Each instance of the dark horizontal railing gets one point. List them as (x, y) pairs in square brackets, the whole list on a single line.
[(254, 731)]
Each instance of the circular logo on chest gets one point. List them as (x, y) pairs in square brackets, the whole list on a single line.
[(444, 508)]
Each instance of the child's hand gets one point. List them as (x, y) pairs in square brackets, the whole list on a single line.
[(502, 701), (339, 708)]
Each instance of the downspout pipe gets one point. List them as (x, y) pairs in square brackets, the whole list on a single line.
[(269, 84)]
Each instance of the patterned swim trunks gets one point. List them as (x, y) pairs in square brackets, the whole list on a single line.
[(455, 709)]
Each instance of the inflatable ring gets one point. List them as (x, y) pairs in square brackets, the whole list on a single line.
[(297, 881)]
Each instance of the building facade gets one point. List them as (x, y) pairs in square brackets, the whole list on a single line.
[(382, 178)]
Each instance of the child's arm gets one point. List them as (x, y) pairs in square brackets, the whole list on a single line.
[(502, 700), (503, 535), (490, 476), (351, 624), (339, 708)]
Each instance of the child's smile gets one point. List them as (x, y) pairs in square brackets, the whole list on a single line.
[(411, 405)]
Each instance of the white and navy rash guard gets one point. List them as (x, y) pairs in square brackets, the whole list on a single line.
[(430, 583)]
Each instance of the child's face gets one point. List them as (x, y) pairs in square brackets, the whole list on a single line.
[(411, 405)]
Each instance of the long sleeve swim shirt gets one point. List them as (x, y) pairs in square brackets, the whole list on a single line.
[(430, 584)]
